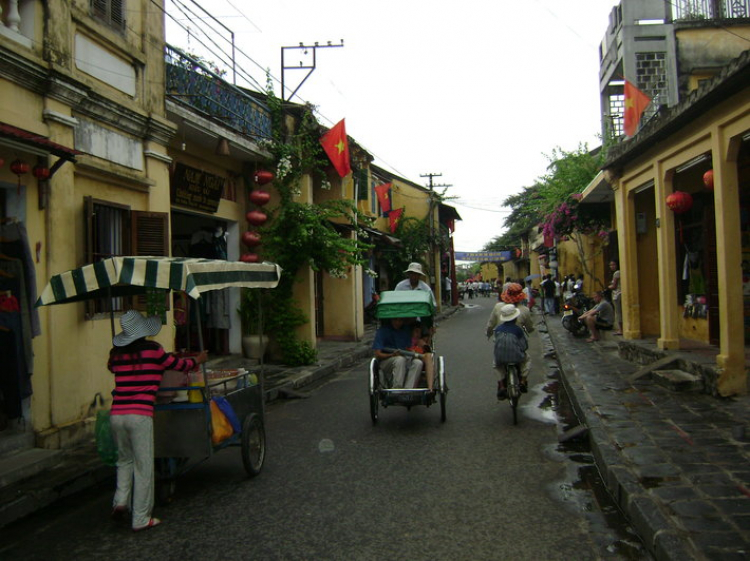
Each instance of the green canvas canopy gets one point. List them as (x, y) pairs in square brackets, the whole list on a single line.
[(124, 276), (405, 304)]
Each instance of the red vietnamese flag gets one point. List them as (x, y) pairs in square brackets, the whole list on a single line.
[(635, 104), (393, 217), (336, 145), (382, 192)]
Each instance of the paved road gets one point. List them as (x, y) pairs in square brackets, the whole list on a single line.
[(335, 487)]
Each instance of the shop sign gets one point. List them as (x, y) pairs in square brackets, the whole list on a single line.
[(196, 189)]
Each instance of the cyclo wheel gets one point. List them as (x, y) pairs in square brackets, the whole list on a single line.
[(374, 384), (443, 388), (253, 444)]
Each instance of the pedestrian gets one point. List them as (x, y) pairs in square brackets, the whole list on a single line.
[(558, 294), (614, 286), (548, 295), (138, 366)]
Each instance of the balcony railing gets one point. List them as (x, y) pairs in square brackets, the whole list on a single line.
[(192, 83), (692, 10)]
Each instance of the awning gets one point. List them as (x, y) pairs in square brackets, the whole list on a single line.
[(404, 304), (125, 276), (598, 191), (382, 237), (36, 141)]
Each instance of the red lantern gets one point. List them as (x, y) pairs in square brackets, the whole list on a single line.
[(260, 197), (40, 172), (708, 179), (251, 239), (250, 258), (262, 177), (2, 162), (680, 202), (19, 167), (256, 217)]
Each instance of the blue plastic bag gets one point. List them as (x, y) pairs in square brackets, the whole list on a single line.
[(223, 404)]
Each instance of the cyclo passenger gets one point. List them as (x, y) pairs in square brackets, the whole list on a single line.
[(397, 370)]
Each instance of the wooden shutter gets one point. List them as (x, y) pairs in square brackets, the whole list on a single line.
[(149, 233)]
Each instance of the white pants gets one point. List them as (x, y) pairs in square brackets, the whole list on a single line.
[(395, 369), (134, 436)]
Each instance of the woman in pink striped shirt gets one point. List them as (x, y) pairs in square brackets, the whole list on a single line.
[(138, 366)]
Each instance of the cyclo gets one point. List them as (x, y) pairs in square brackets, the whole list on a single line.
[(417, 307)]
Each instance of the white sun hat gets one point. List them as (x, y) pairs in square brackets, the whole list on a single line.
[(134, 327), (415, 268)]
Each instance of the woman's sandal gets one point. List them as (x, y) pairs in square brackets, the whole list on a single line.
[(151, 523), (591, 340)]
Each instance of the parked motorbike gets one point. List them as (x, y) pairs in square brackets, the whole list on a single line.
[(574, 307)]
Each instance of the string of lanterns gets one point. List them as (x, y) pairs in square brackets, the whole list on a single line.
[(256, 217)]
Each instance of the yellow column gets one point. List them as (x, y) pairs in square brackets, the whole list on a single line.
[(666, 262), (731, 358), (625, 216)]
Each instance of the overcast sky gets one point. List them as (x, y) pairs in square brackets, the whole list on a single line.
[(478, 90)]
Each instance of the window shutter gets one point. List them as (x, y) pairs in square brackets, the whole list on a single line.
[(99, 7), (88, 228), (149, 233), (149, 236), (117, 14)]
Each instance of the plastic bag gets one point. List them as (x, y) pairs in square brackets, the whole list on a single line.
[(226, 408), (105, 443), (222, 429)]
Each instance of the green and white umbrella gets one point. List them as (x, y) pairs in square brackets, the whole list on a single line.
[(125, 276)]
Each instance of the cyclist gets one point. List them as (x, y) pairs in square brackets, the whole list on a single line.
[(511, 345)]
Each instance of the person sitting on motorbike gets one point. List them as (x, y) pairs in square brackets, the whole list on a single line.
[(601, 316), (511, 347), (397, 370)]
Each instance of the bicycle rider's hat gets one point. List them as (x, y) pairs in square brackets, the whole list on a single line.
[(508, 313), (513, 294), (134, 327)]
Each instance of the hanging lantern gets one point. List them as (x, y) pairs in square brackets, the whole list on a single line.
[(250, 258), (19, 167), (40, 172), (680, 202), (262, 177), (251, 239), (2, 162), (260, 197), (256, 217), (708, 179)]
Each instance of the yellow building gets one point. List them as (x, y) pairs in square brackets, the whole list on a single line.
[(684, 273)]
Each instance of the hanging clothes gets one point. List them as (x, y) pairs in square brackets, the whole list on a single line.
[(15, 381), (14, 244)]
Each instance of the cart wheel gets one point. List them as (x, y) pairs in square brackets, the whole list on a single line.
[(165, 490), (443, 385), (374, 391), (253, 444)]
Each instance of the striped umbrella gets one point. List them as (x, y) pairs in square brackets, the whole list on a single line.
[(124, 276)]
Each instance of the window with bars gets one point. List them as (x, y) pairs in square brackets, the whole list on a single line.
[(111, 12), (113, 230), (615, 119)]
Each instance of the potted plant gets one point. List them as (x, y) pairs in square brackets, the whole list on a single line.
[(254, 339)]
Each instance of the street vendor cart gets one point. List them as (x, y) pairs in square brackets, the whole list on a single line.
[(184, 432)]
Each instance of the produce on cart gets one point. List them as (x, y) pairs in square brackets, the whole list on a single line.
[(183, 429)]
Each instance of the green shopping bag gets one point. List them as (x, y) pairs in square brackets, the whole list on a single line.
[(105, 444)]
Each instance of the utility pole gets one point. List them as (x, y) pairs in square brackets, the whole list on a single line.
[(310, 66), (435, 262)]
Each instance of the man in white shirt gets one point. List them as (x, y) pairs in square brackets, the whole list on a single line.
[(414, 281)]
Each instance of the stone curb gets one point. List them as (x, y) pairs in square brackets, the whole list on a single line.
[(663, 540)]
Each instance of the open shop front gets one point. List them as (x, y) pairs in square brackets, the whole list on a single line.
[(209, 237)]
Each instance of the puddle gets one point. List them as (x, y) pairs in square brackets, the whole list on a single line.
[(582, 489)]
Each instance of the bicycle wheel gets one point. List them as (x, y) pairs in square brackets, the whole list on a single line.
[(514, 390), (442, 388), (374, 385)]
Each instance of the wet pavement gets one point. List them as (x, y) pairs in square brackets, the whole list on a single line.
[(669, 459)]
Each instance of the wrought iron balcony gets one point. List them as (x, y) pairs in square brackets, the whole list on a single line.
[(692, 10), (192, 83)]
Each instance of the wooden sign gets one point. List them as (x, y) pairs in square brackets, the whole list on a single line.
[(196, 189)]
